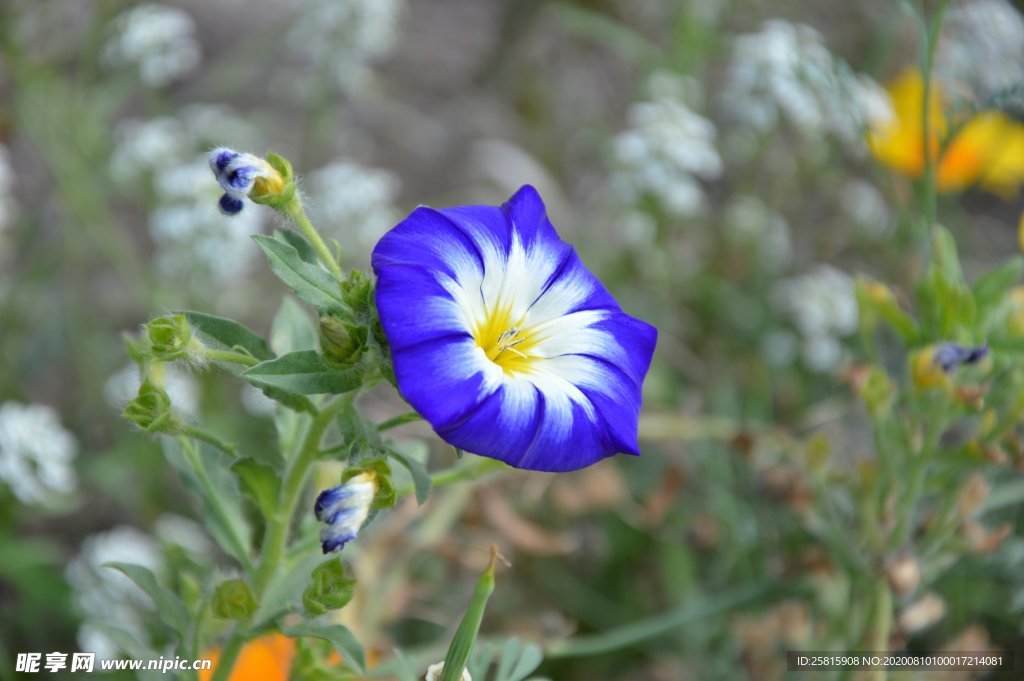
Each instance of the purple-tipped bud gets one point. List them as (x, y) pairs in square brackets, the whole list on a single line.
[(220, 158), (230, 205), (948, 356), (344, 509)]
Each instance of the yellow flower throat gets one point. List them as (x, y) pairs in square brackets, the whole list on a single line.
[(505, 341)]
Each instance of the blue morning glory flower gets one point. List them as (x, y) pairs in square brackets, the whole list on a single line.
[(505, 342), (344, 509)]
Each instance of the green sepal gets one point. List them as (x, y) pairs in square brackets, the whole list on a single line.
[(386, 496), (280, 200), (151, 410), (280, 164), (233, 600), (330, 588), (169, 337)]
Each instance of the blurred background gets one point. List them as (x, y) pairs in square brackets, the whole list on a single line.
[(706, 157)]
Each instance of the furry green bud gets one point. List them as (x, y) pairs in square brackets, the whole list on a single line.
[(233, 600), (151, 410), (330, 588), (170, 338), (341, 343)]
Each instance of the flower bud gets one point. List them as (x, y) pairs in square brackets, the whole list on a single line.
[(341, 343), (233, 600), (170, 338), (243, 175), (151, 410), (344, 509), (329, 590)]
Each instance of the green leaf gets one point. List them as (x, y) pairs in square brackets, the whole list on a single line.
[(330, 588), (300, 243), (420, 476), (228, 333), (171, 609), (305, 373), (292, 328), (991, 288), (260, 482), (465, 636), (518, 661), (338, 635), (310, 282), (284, 591)]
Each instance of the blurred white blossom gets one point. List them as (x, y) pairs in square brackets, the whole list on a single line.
[(183, 532), (823, 307), (180, 386), (865, 207), (8, 204), (188, 228), (981, 49), (146, 146), (105, 595), (351, 201), (157, 39), (167, 156), (35, 452), (347, 37), (750, 223), (785, 72), (667, 149)]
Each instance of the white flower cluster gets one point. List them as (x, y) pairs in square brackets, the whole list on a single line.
[(435, 671), (179, 385), (187, 228), (347, 36), (159, 40), (751, 224), (866, 208), (981, 49), (35, 452), (667, 149), (785, 72), (353, 202), (823, 306), (106, 596)]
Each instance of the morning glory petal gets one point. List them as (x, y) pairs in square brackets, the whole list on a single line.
[(503, 340)]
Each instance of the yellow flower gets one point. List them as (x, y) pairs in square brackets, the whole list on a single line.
[(988, 150)]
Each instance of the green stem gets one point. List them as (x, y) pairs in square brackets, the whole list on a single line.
[(400, 420), (213, 498), (230, 356), (458, 474), (277, 526), (881, 627), (930, 161), (229, 655), (297, 213), (209, 438)]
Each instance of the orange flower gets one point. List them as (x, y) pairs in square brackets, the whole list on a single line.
[(988, 150), (267, 658)]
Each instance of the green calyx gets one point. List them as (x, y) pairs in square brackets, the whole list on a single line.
[(386, 495), (276, 192), (170, 338), (151, 410), (233, 600), (341, 343), (330, 589)]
